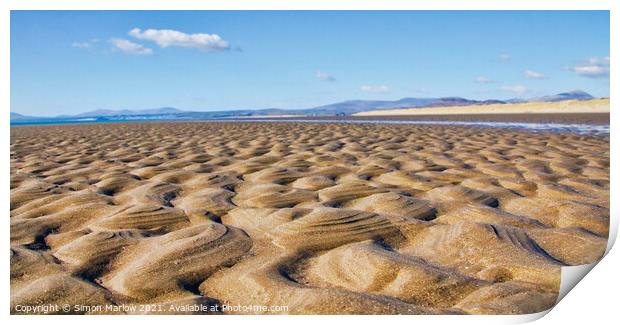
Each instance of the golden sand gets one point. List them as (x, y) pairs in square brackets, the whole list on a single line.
[(600, 105), (320, 218)]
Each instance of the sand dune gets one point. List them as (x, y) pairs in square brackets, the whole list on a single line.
[(320, 218), (564, 107)]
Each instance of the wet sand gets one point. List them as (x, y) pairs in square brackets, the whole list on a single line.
[(319, 218)]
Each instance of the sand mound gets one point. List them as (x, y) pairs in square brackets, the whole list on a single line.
[(489, 252), (89, 253), (270, 196), (327, 228), (209, 202), (484, 214), (346, 191), (511, 297), (147, 217), (313, 183), (394, 205), (180, 258), (563, 214), (60, 289), (450, 197), (369, 267), (265, 282)]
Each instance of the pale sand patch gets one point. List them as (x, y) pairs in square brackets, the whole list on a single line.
[(600, 105)]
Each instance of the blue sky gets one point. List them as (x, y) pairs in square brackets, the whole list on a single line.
[(74, 61)]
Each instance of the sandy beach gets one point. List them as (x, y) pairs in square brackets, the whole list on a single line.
[(301, 218), (593, 106)]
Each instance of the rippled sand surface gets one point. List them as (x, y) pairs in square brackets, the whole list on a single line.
[(320, 218)]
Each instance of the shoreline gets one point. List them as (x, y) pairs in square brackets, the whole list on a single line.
[(583, 124), (559, 118)]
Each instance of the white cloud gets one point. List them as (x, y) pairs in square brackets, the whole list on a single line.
[(515, 89), (484, 80), (593, 68), (504, 57), (377, 89), (530, 74), (322, 75), (130, 47), (168, 37)]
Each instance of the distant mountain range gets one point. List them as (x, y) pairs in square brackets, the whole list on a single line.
[(571, 95), (110, 112), (355, 106), (337, 109), (17, 116)]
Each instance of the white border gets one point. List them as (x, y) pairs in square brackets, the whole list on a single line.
[(578, 308)]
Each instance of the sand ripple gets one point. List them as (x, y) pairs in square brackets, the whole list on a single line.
[(321, 218)]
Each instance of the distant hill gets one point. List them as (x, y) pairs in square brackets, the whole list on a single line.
[(571, 95), (349, 107), (17, 116), (109, 112), (355, 106)]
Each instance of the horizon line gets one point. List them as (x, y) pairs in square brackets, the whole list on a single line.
[(190, 110)]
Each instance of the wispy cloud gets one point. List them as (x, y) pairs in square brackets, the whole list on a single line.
[(322, 75), (421, 90), (530, 74), (84, 45), (596, 67), (81, 45), (484, 80), (504, 57), (173, 38), (130, 47), (514, 89), (377, 89)]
